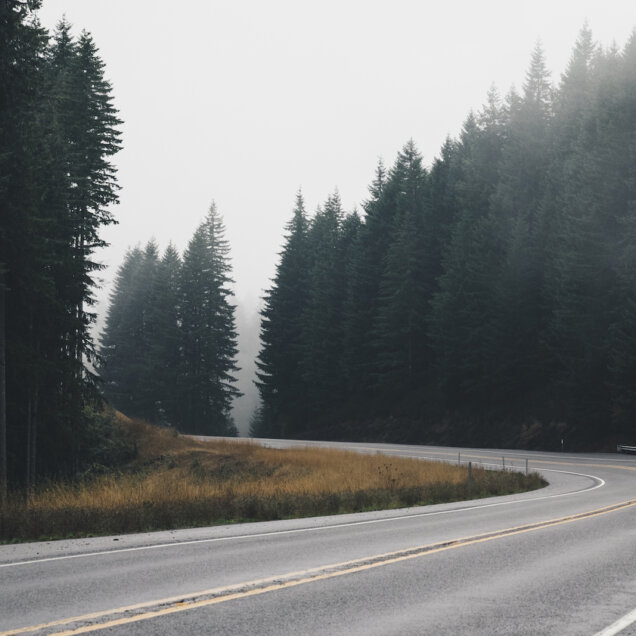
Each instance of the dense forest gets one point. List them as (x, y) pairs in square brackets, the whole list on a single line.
[(169, 347), (58, 130), (488, 299)]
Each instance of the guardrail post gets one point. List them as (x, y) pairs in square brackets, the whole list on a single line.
[(470, 474), (526, 466), (503, 463), (459, 459)]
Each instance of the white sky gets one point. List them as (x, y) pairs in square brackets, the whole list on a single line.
[(244, 102)]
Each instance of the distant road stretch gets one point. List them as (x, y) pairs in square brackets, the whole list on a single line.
[(561, 560)]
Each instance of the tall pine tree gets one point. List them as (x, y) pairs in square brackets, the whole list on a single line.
[(280, 382), (207, 331)]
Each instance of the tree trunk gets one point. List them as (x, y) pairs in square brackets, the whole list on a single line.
[(32, 415), (29, 430), (34, 432), (3, 399)]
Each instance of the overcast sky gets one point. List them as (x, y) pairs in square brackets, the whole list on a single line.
[(246, 102)]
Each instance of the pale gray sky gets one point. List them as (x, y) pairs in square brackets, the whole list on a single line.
[(244, 102)]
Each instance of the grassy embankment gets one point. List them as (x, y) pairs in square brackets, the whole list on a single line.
[(177, 482)]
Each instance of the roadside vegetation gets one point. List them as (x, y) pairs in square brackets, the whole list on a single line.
[(177, 482)]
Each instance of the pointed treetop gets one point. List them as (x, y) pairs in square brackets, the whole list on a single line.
[(446, 151), (512, 100), (333, 207), (215, 228), (492, 112), (63, 28), (585, 44), (298, 223), (214, 220), (409, 150), (582, 55), (469, 127), (409, 158), (171, 253), (629, 52), (63, 43), (300, 203), (89, 49), (379, 181), (537, 89), (152, 249), (334, 199)]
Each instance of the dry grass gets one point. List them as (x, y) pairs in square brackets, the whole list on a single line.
[(180, 482)]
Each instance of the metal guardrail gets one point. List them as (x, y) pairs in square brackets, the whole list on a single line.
[(622, 448)]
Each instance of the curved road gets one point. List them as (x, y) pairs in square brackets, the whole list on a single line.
[(561, 560)]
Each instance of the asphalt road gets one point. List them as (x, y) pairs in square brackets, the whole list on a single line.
[(561, 560)]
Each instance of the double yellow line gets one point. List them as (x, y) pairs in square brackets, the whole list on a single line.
[(163, 607)]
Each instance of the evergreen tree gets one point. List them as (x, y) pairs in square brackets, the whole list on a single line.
[(207, 331), (622, 334), (588, 282), (349, 253), (463, 317), (23, 252), (521, 223), (322, 317), (507, 269), (87, 137), (46, 253), (165, 347), (406, 283), (118, 350), (280, 382), (361, 307)]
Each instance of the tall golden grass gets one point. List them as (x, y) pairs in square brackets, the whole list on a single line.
[(178, 482)]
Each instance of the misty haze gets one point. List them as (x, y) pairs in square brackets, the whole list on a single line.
[(394, 246)]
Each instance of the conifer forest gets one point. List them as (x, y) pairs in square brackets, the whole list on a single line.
[(169, 346), (488, 298), (58, 132)]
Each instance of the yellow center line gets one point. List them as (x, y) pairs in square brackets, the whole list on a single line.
[(261, 586)]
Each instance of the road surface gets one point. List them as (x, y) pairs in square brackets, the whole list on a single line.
[(561, 560)]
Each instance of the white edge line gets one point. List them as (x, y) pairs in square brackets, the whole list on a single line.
[(600, 483), (619, 625)]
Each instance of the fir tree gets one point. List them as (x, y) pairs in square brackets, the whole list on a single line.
[(322, 317), (207, 331), (47, 245), (280, 383), (406, 283), (120, 351), (165, 347), (361, 307)]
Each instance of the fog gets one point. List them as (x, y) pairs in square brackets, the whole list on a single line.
[(245, 102)]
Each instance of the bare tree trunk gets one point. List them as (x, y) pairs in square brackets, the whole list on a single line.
[(32, 415), (32, 409), (34, 432), (27, 474), (3, 398)]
